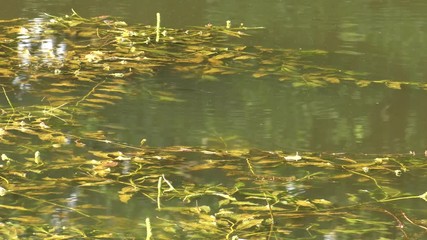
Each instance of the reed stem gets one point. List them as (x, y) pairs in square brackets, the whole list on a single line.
[(158, 27)]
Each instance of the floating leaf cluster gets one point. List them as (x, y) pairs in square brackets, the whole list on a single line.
[(61, 57), (194, 193)]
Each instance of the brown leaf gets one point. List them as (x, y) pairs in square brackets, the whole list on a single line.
[(259, 74)]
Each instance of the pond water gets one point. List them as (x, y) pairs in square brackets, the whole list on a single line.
[(383, 39), (369, 40)]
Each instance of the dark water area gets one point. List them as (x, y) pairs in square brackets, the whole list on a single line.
[(362, 146)]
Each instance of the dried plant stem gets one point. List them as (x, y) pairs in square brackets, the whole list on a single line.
[(54, 204), (159, 192), (158, 27), (171, 188), (148, 225), (250, 166), (422, 196), (367, 176), (8, 100), (89, 93), (270, 232)]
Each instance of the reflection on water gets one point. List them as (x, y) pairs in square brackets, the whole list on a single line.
[(51, 52), (251, 113)]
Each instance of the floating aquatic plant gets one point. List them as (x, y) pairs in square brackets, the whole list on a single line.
[(61, 180)]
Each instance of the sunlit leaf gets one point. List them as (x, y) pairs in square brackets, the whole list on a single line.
[(223, 56), (394, 85), (213, 71), (305, 203), (28, 219), (124, 198), (170, 99), (14, 207), (260, 74), (244, 57), (321, 202), (249, 223), (332, 80)]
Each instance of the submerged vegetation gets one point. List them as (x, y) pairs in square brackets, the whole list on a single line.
[(61, 180)]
